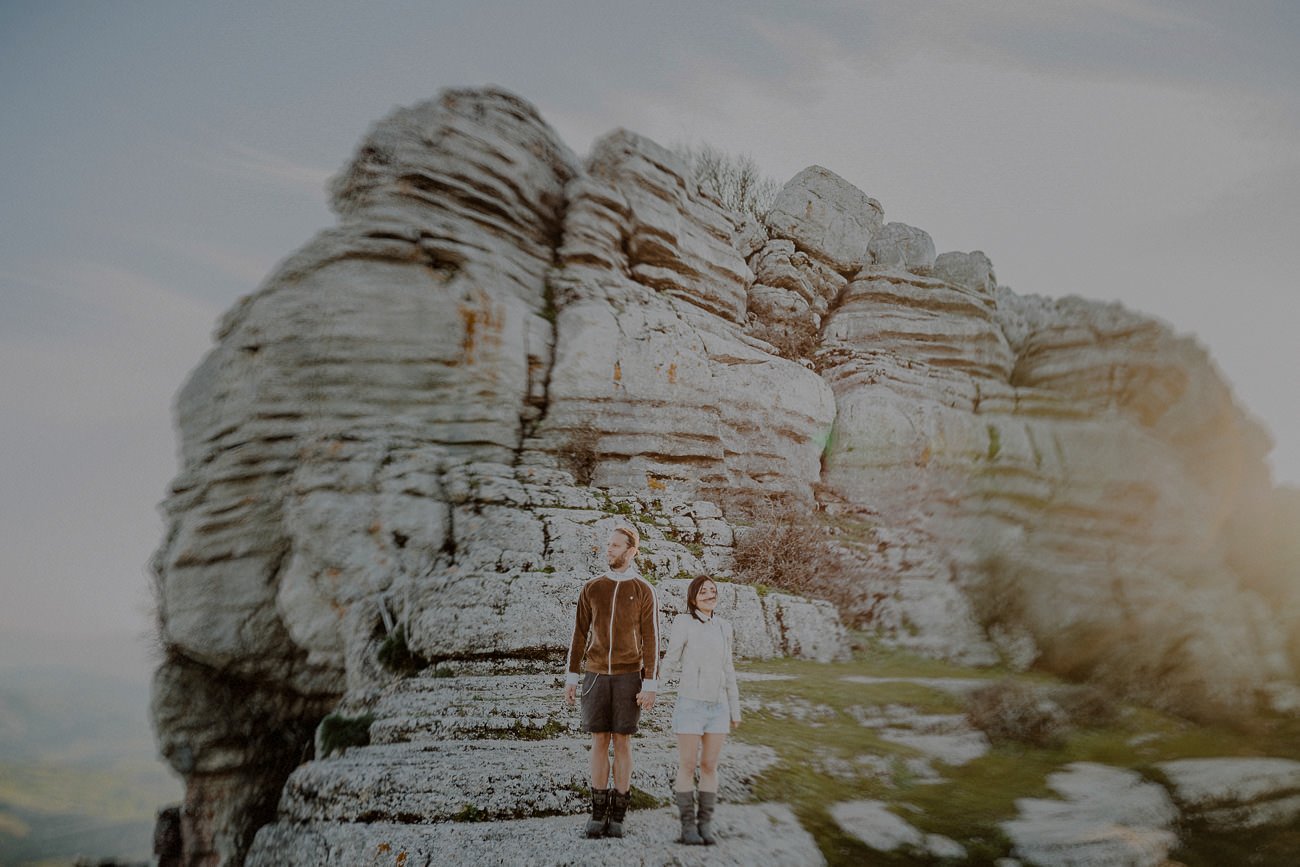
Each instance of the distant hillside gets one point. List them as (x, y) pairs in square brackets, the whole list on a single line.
[(79, 774)]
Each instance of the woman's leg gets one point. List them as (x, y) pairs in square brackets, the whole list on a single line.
[(712, 749), (688, 750)]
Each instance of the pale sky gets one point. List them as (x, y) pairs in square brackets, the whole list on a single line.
[(157, 158)]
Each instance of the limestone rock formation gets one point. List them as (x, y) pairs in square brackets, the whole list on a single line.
[(415, 434)]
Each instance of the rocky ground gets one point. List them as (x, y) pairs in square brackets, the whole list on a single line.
[(873, 760)]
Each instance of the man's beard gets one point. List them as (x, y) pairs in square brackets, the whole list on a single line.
[(620, 563)]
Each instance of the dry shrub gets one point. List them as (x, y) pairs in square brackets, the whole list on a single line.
[(1087, 706), (780, 543), (1012, 711), (795, 341), (735, 179), (580, 452), (999, 597)]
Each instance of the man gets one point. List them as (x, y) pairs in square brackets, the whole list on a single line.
[(614, 658)]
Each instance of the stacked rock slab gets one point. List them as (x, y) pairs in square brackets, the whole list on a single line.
[(430, 415), (651, 299), (312, 434)]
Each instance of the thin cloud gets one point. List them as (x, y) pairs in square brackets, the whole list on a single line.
[(1250, 52), (245, 268), (249, 163)]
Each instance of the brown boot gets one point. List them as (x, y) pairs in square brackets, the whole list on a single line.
[(704, 818), (599, 820), (617, 810)]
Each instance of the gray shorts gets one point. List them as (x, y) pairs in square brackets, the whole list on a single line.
[(609, 702)]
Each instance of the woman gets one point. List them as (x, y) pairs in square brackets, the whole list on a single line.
[(708, 704)]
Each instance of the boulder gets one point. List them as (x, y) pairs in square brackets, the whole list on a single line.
[(972, 271), (1235, 793), (902, 247), (827, 217), (874, 824)]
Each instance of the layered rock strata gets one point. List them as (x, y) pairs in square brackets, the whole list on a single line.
[(429, 416)]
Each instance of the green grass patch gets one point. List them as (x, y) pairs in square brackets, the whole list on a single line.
[(642, 800), (471, 813), (638, 799), (521, 731), (396, 655)]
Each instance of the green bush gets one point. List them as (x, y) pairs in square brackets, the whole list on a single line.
[(396, 656), (338, 732)]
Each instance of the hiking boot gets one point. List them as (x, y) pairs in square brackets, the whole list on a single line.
[(704, 818), (686, 808), (617, 810), (599, 820)]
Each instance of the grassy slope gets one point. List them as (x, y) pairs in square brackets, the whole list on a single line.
[(972, 799)]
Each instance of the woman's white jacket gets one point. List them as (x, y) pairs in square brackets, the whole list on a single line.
[(701, 652)]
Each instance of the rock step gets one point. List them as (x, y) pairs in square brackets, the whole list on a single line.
[(484, 779), (525, 707), (748, 834)]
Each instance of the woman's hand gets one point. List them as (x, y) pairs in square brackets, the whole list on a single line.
[(645, 700), (735, 724)]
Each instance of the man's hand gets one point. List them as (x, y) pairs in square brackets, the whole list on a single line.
[(735, 724), (571, 694), (645, 699)]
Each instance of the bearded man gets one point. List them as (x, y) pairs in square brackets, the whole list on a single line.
[(614, 665)]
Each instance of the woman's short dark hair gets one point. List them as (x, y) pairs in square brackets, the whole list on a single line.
[(693, 591)]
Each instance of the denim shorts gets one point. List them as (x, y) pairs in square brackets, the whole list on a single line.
[(695, 717)]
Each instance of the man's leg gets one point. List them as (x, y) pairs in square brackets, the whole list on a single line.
[(598, 824), (626, 714), (600, 760), (622, 762)]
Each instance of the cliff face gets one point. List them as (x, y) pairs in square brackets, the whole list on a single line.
[(431, 413)]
